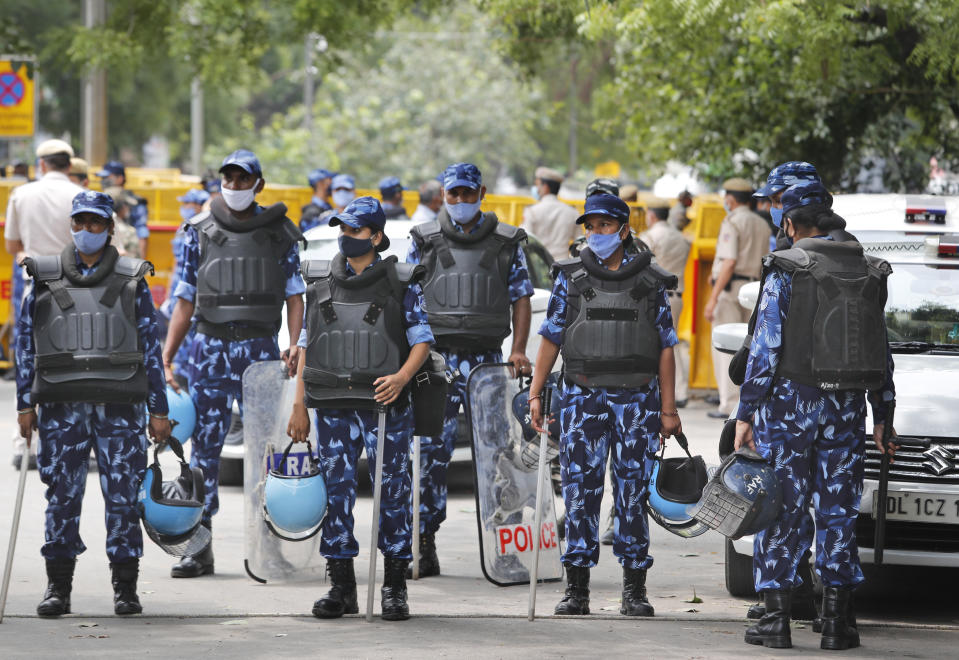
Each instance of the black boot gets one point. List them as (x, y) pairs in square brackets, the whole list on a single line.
[(125, 600), (56, 599), (429, 562), (393, 593), (772, 631), (195, 566), (756, 610), (838, 625), (341, 598), (634, 593), (576, 599)]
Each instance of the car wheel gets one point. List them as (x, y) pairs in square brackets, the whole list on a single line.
[(231, 472), (739, 573)]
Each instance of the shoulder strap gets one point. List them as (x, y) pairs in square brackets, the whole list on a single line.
[(132, 267), (314, 269), (200, 218), (503, 236), (510, 233), (789, 260), (49, 271), (127, 271), (579, 279), (568, 266), (660, 275)]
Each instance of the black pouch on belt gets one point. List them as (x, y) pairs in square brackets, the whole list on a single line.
[(430, 387)]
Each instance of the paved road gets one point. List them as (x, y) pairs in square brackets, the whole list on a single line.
[(905, 613)]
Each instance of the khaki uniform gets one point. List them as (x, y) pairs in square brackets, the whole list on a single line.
[(553, 223), (671, 250), (743, 237)]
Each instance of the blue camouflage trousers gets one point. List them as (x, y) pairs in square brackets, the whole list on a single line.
[(341, 435), (216, 381), (435, 452), (623, 424), (67, 432), (816, 441)]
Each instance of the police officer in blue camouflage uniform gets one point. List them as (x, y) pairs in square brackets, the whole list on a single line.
[(237, 319), (319, 180), (391, 190), (359, 289), (468, 330), (610, 317), (803, 407), (90, 385), (114, 175)]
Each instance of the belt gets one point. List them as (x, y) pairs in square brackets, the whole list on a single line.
[(674, 294), (232, 332), (733, 278)]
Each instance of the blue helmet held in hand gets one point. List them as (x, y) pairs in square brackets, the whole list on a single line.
[(182, 414), (295, 504), (675, 486), (743, 497)]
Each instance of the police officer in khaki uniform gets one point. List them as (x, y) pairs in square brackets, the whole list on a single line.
[(550, 220), (743, 240), (671, 250)]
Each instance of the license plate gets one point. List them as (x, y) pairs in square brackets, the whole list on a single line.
[(920, 507)]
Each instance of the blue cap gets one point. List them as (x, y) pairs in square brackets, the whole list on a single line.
[(605, 204), (786, 175), (245, 159), (390, 186), (466, 175), (212, 186), (805, 194), (113, 167), (343, 181), (317, 175), (91, 201), (363, 212), (194, 196)]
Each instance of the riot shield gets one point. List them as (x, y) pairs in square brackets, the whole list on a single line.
[(506, 485), (267, 401)]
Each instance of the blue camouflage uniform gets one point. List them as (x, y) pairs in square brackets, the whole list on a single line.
[(116, 431), (313, 212), (596, 422), (138, 219), (815, 440), (436, 452), (343, 433), (181, 360), (215, 368)]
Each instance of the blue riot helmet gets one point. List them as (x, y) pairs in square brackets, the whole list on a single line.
[(182, 414), (171, 511), (743, 497), (294, 504), (675, 486)]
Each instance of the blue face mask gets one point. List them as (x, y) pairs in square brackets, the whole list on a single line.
[(535, 192), (89, 243), (777, 215), (463, 212), (342, 197), (187, 212), (603, 245), (354, 247)]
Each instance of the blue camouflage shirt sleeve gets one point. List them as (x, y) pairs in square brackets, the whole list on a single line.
[(149, 333), (139, 216), (415, 320), (664, 320), (766, 347), (26, 351), (295, 286), (555, 322), (187, 259), (520, 285), (413, 254), (881, 398)]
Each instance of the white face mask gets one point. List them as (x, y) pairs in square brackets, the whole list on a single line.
[(239, 200)]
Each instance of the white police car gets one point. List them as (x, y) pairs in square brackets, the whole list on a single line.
[(919, 237)]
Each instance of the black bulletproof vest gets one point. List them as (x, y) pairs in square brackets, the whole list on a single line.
[(467, 282), (85, 330), (611, 338), (834, 337), (354, 329), (239, 277)]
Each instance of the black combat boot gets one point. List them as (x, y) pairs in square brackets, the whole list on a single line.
[(125, 600), (341, 598), (198, 564), (772, 631), (56, 599), (393, 593), (838, 622), (634, 593), (429, 562), (576, 599)]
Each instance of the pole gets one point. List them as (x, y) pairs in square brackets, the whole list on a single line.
[(377, 493), (879, 540), (309, 89), (416, 507), (95, 94), (15, 527), (538, 516), (573, 118), (196, 126)]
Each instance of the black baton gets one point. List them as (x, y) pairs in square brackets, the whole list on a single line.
[(880, 537)]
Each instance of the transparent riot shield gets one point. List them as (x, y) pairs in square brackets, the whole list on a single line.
[(267, 401), (506, 485)]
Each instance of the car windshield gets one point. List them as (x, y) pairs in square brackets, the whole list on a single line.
[(923, 306)]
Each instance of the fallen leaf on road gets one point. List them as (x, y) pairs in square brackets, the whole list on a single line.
[(280, 635), (691, 554), (233, 622), (89, 624), (692, 609)]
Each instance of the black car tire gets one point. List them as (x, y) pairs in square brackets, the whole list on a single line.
[(739, 573), (231, 472)]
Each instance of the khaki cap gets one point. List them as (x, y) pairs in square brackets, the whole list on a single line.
[(629, 193), (737, 185), (547, 174), (79, 167), (658, 203), (53, 147)]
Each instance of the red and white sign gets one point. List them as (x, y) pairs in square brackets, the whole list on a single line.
[(516, 539)]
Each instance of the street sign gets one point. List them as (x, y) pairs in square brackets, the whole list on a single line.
[(17, 97)]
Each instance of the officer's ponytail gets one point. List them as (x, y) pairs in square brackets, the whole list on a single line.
[(818, 216)]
